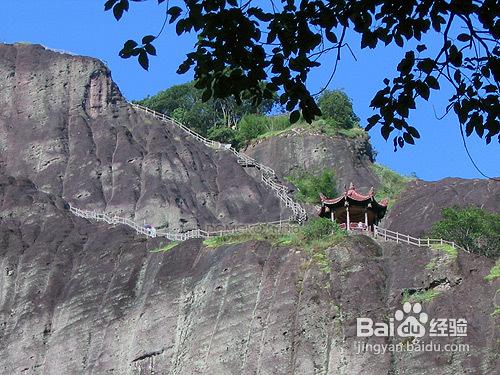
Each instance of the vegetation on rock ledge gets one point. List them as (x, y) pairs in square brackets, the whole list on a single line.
[(316, 235), (494, 272), (420, 296), (472, 228), (392, 184)]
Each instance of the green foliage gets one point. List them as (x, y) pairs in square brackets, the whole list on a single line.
[(316, 235), (391, 183), (446, 248), (494, 272), (253, 126), (186, 104), (224, 135), (311, 185), (165, 248), (336, 107), (183, 103), (283, 44), (472, 228), (225, 121), (431, 265), (318, 228), (423, 296), (232, 239), (323, 261)]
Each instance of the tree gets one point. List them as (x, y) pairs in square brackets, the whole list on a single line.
[(472, 228), (241, 44), (337, 107), (185, 103)]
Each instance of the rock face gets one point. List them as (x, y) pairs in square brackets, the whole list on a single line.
[(421, 203), (290, 152), (65, 126), (81, 298)]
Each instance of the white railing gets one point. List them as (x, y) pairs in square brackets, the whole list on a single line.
[(268, 175), (389, 235), (281, 225)]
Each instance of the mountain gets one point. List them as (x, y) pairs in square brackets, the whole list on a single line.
[(65, 125), (80, 297)]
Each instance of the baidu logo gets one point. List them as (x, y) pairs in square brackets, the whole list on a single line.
[(411, 321)]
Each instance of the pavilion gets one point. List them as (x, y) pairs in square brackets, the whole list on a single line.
[(352, 210)]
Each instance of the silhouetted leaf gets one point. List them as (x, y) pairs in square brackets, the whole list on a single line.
[(414, 132), (422, 90), (294, 116), (421, 47), (432, 82), (174, 13), (148, 39), (464, 37), (109, 4), (144, 60), (150, 49), (408, 138)]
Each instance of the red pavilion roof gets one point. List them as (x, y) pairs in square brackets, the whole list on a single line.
[(352, 194)]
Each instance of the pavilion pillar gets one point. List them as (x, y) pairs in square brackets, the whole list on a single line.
[(366, 219), (332, 214), (348, 224)]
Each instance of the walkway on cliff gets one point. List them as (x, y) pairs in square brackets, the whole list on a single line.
[(267, 176)]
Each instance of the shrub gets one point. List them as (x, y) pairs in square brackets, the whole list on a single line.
[(446, 248), (310, 185), (224, 135), (472, 228), (494, 272), (318, 228)]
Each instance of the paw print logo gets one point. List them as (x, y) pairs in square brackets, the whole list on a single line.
[(413, 324)]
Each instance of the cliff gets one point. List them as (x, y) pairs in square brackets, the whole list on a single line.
[(421, 203), (304, 150), (66, 127), (81, 298)]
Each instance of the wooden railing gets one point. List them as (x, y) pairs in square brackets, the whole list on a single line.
[(281, 225), (389, 235), (268, 175)]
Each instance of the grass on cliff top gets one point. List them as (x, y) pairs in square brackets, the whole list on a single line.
[(392, 184), (494, 272), (309, 185), (423, 296), (316, 235)]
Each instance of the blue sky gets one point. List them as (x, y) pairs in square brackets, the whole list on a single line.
[(82, 27)]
